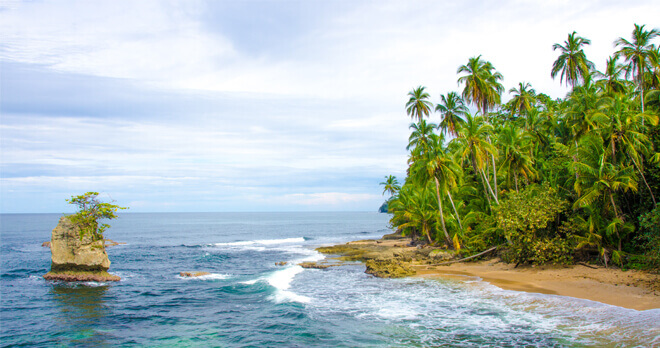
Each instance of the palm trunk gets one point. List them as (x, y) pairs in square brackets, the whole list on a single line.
[(655, 205), (494, 168), (490, 188), (442, 217), (494, 175), (616, 214), (477, 173), (577, 176), (458, 218), (515, 178)]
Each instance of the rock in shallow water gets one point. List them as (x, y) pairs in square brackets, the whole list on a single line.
[(193, 274), (388, 269)]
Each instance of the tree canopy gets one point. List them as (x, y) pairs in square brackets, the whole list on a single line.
[(578, 176)]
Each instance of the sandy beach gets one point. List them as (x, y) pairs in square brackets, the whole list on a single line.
[(629, 289)]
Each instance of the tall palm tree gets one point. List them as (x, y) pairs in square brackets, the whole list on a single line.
[(472, 144), (418, 105), (600, 180), (524, 98), (572, 63), (451, 108), (516, 154), (482, 87), (391, 185), (625, 138), (637, 54), (437, 166)]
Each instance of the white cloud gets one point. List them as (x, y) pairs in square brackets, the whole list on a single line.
[(328, 198)]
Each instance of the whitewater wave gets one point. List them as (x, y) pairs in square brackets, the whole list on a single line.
[(212, 276), (261, 242), (281, 281)]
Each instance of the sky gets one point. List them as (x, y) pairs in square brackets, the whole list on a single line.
[(213, 106)]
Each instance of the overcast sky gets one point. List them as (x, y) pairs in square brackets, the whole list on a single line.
[(251, 105)]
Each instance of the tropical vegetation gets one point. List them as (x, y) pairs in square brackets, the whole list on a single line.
[(90, 212), (572, 179)]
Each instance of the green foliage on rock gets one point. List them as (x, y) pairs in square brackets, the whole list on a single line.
[(90, 211)]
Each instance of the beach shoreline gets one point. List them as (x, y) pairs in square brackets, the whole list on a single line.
[(630, 289)]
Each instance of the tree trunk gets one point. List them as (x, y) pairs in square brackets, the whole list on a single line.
[(458, 218), (515, 178), (478, 174), (655, 205), (442, 216), (490, 188), (616, 214)]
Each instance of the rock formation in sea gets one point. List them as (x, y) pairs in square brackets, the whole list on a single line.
[(75, 258)]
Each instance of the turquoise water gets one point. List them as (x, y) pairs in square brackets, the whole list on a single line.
[(247, 301)]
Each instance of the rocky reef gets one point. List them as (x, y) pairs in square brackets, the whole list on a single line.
[(76, 258), (393, 256)]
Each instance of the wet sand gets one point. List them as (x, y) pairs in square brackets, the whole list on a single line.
[(629, 289)]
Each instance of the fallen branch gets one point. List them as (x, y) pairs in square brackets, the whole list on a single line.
[(467, 258), (586, 265)]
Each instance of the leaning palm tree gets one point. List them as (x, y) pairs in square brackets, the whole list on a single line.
[(637, 54), (437, 167), (483, 89), (572, 63), (418, 105), (472, 145), (451, 108)]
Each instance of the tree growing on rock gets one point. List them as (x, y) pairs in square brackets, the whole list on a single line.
[(90, 211)]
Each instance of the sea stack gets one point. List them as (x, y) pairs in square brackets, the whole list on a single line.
[(75, 258)]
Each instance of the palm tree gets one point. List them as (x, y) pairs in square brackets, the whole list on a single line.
[(451, 108), (420, 134), (482, 86), (472, 144), (637, 54), (414, 212), (483, 89), (572, 63), (611, 77), (418, 105), (524, 98), (516, 154), (437, 166), (391, 185), (599, 179), (623, 132)]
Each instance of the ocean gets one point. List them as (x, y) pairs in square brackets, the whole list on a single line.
[(248, 301)]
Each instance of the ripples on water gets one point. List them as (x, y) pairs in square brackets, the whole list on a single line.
[(248, 301)]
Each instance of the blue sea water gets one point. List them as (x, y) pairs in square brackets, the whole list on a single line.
[(248, 301)]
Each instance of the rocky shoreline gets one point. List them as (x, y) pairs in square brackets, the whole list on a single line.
[(394, 256)]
